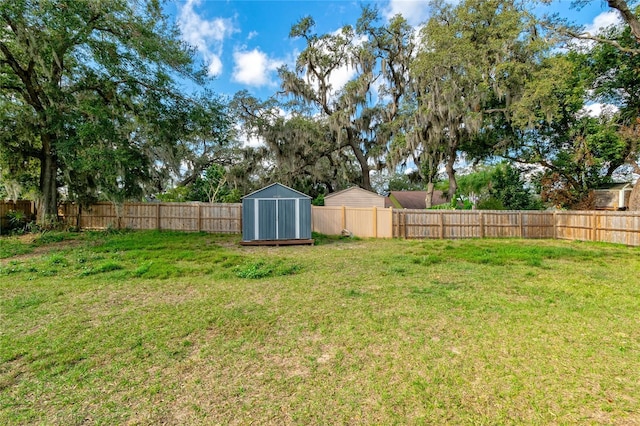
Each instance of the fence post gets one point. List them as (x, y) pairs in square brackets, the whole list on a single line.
[(158, 216), (199, 215), (481, 223), (441, 220), (375, 222), (404, 224), (394, 224), (594, 227), (555, 225), (313, 218), (521, 224)]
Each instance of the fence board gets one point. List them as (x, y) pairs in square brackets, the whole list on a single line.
[(25, 206), (362, 222), (575, 225), (327, 220), (385, 223), (419, 225), (140, 215), (221, 218)]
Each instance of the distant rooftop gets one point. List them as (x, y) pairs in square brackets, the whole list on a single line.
[(414, 199)]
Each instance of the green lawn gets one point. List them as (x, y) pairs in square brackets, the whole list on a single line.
[(152, 328)]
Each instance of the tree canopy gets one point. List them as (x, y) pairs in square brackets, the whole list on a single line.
[(93, 105), (481, 80), (91, 91)]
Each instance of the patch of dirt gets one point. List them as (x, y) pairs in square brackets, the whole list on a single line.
[(40, 250), (27, 238)]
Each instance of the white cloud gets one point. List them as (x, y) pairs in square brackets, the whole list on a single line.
[(251, 141), (207, 36), (602, 21), (341, 75), (254, 68), (599, 23), (215, 65), (414, 11), (597, 109)]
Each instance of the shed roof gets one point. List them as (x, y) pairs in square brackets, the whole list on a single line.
[(614, 186), (415, 199), (276, 190), (353, 189)]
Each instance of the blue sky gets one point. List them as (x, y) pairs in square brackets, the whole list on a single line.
[(242, 43)]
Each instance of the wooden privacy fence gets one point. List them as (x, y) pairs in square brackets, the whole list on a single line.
[(448, 224), (205, 217), (27, 207), (610, 227), (370, 222), (602, 226)]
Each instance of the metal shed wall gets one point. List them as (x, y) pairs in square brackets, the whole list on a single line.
[(276, 213)]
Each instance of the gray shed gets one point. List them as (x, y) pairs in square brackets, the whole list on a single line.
[(276, 215)]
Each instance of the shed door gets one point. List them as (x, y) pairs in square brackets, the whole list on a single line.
[(267, 220), (287, 223), (277, 219)]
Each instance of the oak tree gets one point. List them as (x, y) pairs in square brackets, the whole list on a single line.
[(88, 89)]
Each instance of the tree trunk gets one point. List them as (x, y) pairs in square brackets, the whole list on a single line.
[(48, 211), (362, 160), (366, 177), (451, 173), (634, 198), (428, 201)]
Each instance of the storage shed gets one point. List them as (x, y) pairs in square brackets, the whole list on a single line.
[(613, 197), (354, 197), (276, 215)]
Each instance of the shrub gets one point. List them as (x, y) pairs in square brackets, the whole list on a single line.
[(18, 221)]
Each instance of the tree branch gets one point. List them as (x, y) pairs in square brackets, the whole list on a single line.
[(614, 43), (629, 17), (30, 95)]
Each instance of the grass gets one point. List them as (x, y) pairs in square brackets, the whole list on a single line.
[(159, 327)]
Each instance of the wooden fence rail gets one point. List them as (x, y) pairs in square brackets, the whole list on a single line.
[(604, 226)]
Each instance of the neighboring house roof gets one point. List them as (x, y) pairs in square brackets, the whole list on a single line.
[(414, 199)]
